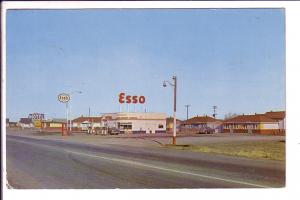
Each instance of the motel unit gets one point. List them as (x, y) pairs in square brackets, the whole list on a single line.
[(200, 124), (257, 123), (278, 116), (53, 125)]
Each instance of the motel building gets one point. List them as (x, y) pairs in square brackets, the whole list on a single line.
[(53, 125), (201, 124), (26, 123), (136, 122), (258, 123), (278, 116)]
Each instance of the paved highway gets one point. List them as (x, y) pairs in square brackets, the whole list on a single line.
[(51, 164)]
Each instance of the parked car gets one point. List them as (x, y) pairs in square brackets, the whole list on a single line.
[(206, 130), (113, 131)]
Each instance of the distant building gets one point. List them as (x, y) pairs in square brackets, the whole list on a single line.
[(200, 124), (258, 123), (26, 123), (13, 124), (10, 124), (55, 124), (84, 123)]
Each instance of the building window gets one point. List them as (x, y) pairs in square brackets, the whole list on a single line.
[(125, 126), (160, 126)]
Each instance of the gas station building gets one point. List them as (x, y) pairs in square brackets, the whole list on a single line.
[(136, 122)]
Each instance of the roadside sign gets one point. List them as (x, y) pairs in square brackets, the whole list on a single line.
[(63, 97)]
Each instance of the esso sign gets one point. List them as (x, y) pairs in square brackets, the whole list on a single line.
[(63, 97), (131, 99)]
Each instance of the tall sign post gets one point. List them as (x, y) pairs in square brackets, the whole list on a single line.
[(65, 98)]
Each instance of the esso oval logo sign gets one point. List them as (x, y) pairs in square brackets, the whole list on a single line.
[(131, 99), (63, 97)]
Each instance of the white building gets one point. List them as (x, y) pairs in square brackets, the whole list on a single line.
[(26, 123), (133, 122), (278, 116), (84, 123)]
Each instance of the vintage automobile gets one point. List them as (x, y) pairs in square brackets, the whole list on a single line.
[(206, 130), (113, 131)]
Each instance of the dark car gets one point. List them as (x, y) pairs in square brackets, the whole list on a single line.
[(206, 130), (113, 131)]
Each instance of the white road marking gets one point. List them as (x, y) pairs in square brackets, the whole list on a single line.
[(149, 166), (167, 169)]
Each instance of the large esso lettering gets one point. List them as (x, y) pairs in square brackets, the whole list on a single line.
[(123, 98), (128, 99), (134, 99), (142, 99)]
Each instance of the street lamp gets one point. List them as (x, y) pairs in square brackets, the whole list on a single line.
[(174, 84)]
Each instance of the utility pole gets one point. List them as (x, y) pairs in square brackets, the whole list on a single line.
[(187, 111), (90, 121), (174, 84), (175, 125), (215, 114)]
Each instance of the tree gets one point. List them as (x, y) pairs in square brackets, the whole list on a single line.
[(230, 115)]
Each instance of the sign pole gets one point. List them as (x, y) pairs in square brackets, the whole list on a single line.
[(65, 98), (70, 120), (67, 122)]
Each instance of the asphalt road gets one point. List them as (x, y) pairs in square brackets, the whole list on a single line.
[(52, 164)]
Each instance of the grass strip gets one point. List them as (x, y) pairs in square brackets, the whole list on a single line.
[(272, 150)]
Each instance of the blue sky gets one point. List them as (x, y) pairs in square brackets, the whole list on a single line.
[(232, 58)]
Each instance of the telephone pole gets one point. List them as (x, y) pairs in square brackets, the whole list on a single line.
[(174, 84), (215, 114), (187, 111)]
